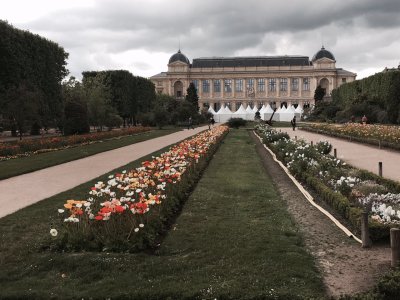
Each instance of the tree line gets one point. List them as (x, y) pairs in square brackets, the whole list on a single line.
[(33, 94), (31, 69), (377, 97)]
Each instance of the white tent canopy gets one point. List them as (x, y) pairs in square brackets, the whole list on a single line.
[(211, 110), (223, 114), (267, 113), (277, 114), (298, 112), (240, 113), (287, 114), (262, 109), (249, 113)]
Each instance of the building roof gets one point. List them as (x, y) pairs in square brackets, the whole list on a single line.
[(323, 53), (252, 61), (179, 56), (342, 72), (162, 74)]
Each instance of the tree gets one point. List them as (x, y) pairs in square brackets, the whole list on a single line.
[(31, 64), (192, 96), (98, 93), (21, 106), (76, 117), (319, 93), (129, 95), (75, 112)]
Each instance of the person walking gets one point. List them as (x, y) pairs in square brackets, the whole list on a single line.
[(211, 122), (190, 123), (364, 120), (293, 122)]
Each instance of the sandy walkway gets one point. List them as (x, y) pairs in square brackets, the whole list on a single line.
[(356, 154), (346, 267), (20, 191)]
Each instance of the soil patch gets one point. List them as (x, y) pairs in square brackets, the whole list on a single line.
[(347, 268)]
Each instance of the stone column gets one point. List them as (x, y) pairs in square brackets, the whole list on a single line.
[(278, 87), (199, 88)]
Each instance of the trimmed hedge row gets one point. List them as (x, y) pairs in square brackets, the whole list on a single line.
[(55, 143)]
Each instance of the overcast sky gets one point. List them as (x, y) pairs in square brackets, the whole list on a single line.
[(141, 35)]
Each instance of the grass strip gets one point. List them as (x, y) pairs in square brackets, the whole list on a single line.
[(233, 240), (19, 166)]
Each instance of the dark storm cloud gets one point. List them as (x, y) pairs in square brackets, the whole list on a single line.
[(223, 27)]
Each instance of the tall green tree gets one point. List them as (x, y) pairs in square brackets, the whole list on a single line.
[(100, 92), (379, 93), (192, 97), (21, 105), (319, 93), (129, 95), (76, 119), (29, 62)]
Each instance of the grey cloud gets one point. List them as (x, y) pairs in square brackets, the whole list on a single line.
[(226, 27)]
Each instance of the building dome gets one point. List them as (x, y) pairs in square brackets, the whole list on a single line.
[(179, 56), (323, 53)]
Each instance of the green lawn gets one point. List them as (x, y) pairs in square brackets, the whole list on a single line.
[(14, 167), (234, 239)]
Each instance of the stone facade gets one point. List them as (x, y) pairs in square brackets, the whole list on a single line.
[(274, 80)]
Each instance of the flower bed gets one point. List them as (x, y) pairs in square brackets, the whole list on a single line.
[(379, 135), (130, 210), (348, 190), (31, 146)]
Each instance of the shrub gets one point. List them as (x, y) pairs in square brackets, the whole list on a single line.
[(35, 129), (147, 119), (113, 120), (324, 147), (76, 118), (236, 122)]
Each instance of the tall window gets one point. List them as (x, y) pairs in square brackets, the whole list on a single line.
[(250, 84), (228, 85), (283, 84), (239, 85), (306, 84), (196, 84), (272, 84), (217, 86), (206, 86), (261, 84), (295, 84)]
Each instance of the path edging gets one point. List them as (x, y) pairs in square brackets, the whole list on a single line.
[(307, 194)]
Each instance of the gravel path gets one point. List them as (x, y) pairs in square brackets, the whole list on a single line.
[(356, 154), (20, 191), (347, 268)]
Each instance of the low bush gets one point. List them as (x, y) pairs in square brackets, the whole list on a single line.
[(31, 145), (236, 122)]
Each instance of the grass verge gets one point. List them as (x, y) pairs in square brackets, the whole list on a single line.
[(234, 239), (19, 166)]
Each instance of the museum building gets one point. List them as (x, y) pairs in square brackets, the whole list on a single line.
[(252, 80)]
